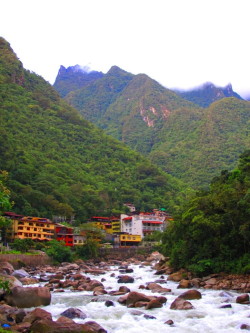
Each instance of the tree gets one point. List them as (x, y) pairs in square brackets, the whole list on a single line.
[(5, 205)]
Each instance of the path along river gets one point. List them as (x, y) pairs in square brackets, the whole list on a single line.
[(207, 315)]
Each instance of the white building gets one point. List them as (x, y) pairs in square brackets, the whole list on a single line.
[(143, 224)]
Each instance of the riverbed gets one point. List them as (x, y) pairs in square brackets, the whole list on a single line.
[(208, 316)]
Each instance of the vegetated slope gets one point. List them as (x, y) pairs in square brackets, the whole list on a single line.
[(132, 108), (212, 234), (73, 78), (197, 144), (207, 94), (188, 141), (61, 164)]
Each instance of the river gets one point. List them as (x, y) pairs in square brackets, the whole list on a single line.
[(207, 315)]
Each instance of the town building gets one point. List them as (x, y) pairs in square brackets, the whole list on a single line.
[(65, 234), (143, 224), (35, 228)]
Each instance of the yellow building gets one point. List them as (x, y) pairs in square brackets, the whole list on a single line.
[(35, 228), (124, 239), (116, 226)]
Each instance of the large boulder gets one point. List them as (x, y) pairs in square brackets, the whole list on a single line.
[(28, 297), (6, 268), (125, 279), (134, 297), (11, 282), (37, 314), (178, 276), (181, 304), (191, 294), (66, 326), (20, 273), (74, 313), (243, 299)]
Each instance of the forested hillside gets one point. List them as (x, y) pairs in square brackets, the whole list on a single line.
[(61, 164), (212, 234), (186, 140)]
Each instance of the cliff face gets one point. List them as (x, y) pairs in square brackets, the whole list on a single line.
[(73, 78)]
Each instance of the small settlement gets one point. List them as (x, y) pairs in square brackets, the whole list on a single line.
[(123, 231)]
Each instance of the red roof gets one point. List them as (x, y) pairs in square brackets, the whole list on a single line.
[(153, 222), (127, 218)]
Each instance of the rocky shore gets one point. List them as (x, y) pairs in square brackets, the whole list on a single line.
[(16, 298)]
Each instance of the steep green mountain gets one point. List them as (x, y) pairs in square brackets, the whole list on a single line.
[(131, 108), (184, 139), (93, 100), (207, 94), (196, 145), (61, 164), (73, 78)]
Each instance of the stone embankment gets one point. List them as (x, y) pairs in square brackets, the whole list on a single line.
[(15, 299)]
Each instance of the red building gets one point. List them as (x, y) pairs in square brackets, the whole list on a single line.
[(65, 234)]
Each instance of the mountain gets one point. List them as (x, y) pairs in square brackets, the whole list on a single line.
[(73, 78), (131, 108), (186, 140), (61, 164), (207, 94)]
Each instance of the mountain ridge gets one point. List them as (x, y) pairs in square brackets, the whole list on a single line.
[(61, 164), (163, 125)]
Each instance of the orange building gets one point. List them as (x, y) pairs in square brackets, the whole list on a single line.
[(36, 228)]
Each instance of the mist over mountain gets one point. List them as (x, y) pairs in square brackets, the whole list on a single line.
[(207, 93), (192, 135), (73, 78)]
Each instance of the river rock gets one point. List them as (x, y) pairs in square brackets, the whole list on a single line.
[(74, 313), (191, 294), (28, 297), (37, 314), (124, 289), (20, 273), (95, 327), (154, 303), (9, 314), (49, 326), (12, 281), (99, 291), (181, 304), (93, 284), (134, 297), (178, 276), (125, 279), (28, 280), (155, 287), (243, 299), (109, 303), (6, 268), (184, 284), (169, 322)]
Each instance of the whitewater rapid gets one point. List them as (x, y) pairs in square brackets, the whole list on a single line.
[(207, 315)]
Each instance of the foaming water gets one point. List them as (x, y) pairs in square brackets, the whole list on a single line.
[(207, 315)]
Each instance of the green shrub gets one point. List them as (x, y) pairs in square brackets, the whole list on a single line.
[(89, 250), (59, 252)]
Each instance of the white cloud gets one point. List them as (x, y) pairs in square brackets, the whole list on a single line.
[(177, 42)]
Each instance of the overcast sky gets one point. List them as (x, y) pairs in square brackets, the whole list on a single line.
[(179, 43)]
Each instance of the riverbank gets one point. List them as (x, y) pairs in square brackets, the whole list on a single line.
[(118, 296)]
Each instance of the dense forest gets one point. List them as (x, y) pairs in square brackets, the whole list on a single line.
[(212, 234), (60, 164), (188, 141)]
